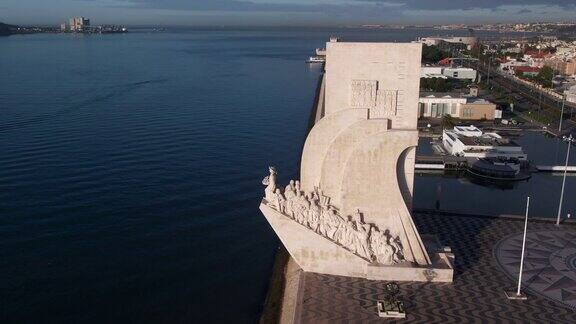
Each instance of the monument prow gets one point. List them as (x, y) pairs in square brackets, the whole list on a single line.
[(350, 213)]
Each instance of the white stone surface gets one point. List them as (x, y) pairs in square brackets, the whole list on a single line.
[(358, 160), (390, 66)]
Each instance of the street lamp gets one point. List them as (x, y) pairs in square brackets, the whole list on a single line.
[(561, 113), (489, 64), (570, 140)]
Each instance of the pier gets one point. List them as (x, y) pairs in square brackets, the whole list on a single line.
[(449, 162), (556, 168)]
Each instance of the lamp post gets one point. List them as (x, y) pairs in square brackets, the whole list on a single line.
[(489, 64), (562, 113), (570, 140)]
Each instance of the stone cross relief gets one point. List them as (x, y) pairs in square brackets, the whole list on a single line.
[(381, 102), (313, 210)]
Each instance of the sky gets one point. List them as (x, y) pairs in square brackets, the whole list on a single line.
[(285, 12)]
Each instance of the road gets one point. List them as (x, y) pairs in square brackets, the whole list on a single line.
[(529, 98)]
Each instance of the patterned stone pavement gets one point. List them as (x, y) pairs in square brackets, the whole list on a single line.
[(549, 263), (477, 293)]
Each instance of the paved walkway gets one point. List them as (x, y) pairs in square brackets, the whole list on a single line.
[(477, 294)]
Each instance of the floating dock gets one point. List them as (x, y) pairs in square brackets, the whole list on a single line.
[(449, 162)]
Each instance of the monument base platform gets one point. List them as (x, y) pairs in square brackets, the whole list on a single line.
[(316, 253)]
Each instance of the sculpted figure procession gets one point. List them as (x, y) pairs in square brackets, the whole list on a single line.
[(314, 211)]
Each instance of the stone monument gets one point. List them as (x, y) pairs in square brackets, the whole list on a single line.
[(350, 213)]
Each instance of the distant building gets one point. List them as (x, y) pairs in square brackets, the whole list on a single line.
[(478, 109), (513, 50), (508, 65), (571, 94), (78, 24), (63, 27), (536, 59), (525, 70), (449, 43), (460, 73), (437, 105), (429, 72), (471, 142), (563, 66)]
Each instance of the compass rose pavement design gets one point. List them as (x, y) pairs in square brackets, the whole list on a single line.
[(549, 263)]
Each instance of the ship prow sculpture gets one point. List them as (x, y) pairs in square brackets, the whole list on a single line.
[(349, 214)]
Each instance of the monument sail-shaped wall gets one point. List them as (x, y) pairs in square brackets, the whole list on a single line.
[(350, 213)]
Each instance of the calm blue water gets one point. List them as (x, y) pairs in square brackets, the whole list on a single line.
[(131, 167)]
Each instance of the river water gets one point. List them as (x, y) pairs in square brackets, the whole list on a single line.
[(131, 168)]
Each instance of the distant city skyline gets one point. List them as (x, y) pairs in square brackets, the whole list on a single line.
[(285, 12)]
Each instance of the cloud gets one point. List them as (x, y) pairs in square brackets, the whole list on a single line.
[(225, 5), (350, 7), (472, 4), (370, 8)]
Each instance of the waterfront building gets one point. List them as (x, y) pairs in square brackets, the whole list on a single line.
[(471, 142), (437, 105)]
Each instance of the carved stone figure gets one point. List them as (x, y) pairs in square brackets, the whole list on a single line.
[(340, 234), (398, 250), (290, 194), (280, 201), (270, 183), (363, 235), (383, 252), (314, 211), (297, 186), (314, 215), (332, 224), (323, 223), (300, 205), (357, 217)]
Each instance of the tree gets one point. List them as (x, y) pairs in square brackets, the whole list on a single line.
[(432, 54), (436, 85), (544, 77), (448, 121)]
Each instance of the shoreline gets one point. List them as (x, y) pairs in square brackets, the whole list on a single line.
[(281, 303)]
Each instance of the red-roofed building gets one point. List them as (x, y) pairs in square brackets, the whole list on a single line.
[(525, 70), (536, 59)]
